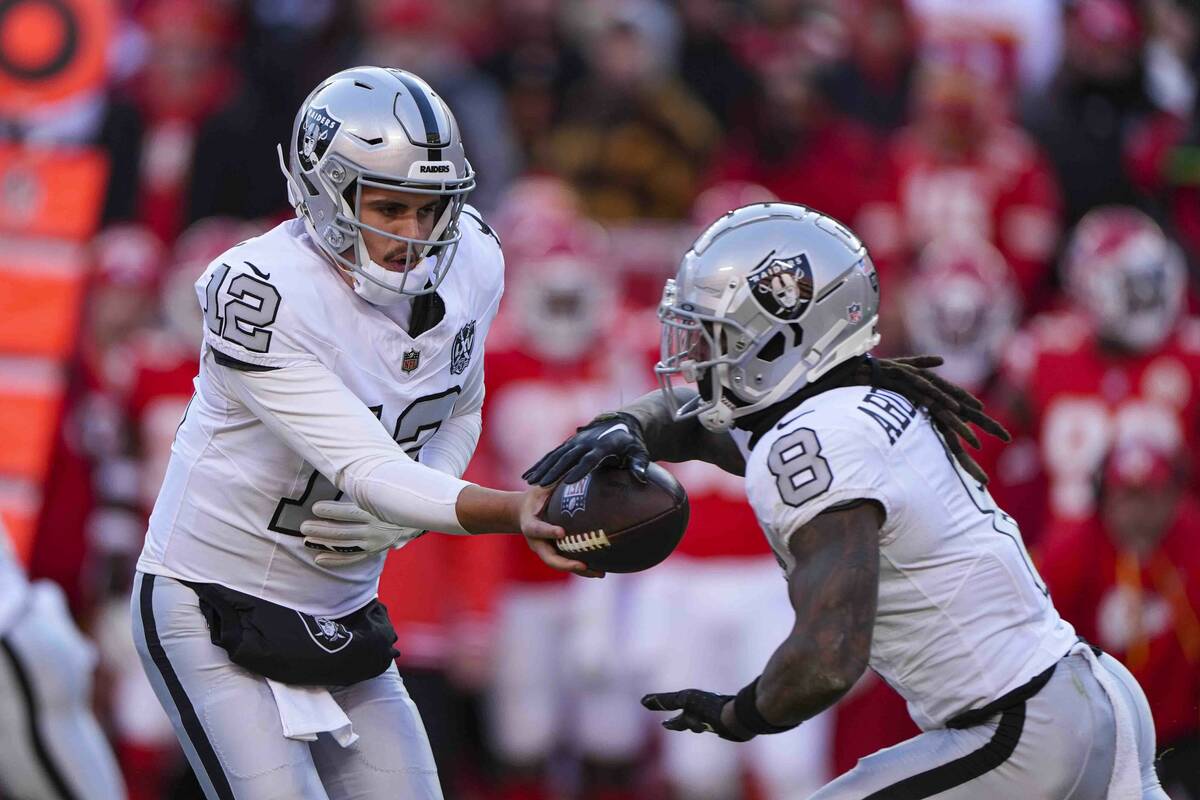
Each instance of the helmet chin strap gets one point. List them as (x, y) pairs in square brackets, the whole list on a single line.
[(381, 287), (718, 417)]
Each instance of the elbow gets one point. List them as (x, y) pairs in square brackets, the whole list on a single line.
[(847, 669)]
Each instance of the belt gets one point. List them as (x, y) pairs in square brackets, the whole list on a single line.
[(977, 716)]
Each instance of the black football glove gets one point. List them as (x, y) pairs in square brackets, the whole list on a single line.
[(608, 439), (701, 712)]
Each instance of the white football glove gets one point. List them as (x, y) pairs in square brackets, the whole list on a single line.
[(345, 534)]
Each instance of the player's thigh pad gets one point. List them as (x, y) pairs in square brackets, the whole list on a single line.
[(53, 746), (224, 716), (392, 756), (526, 697), (1058, 745)]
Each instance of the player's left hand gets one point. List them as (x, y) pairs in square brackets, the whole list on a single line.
[(541, 535), (608, 439), (702, 713), (345, 534)]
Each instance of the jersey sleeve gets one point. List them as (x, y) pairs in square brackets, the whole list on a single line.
[(807, 468), (254, 319), (310, 409)]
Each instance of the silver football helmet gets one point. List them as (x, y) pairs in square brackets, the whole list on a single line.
[(382, 128), (769, 298)]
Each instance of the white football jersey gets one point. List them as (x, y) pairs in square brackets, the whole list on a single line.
[(963, 616), (235, 492)]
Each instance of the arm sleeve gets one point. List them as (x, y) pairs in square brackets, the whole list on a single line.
[(450, 449), (312, 410)]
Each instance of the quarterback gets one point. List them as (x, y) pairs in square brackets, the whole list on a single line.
[(895, 554), (337, 405)]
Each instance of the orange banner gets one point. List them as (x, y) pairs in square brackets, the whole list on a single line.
[(51, 50), (29, 414), (39, 309), (55, 192)]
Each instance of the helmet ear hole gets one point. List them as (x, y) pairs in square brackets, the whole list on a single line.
[(773, 349)]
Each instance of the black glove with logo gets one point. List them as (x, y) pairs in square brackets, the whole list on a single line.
[(608, 439), (701, 712)]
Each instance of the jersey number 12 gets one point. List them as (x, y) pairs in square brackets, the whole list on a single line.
[(414, 427)]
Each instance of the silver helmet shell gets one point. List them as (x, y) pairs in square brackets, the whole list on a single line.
[(383, 128), (768, 299)]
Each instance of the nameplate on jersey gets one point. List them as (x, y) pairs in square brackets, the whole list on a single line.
[(891, 411)]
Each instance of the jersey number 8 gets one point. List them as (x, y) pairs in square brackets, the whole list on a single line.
[(800, 471)]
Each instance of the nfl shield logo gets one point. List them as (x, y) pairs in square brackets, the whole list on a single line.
[(410, 361), (574, 498), (854, 312), (460, 351)]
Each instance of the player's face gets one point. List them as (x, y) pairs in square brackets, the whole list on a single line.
[(1137, 517), (401, 214)]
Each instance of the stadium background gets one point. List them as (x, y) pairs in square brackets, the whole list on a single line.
[(963, 139)]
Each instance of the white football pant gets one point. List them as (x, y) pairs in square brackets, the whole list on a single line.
[(563, 673), (228, 724), (1058, 745), (712, 624), (50, 743)]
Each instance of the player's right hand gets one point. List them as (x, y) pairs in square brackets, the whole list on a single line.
[(541, 535), (609, 438), (344, 534)]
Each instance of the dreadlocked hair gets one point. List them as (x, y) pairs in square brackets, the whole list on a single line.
[(951, 408)]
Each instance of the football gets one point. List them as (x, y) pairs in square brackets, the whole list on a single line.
[(616, 523)]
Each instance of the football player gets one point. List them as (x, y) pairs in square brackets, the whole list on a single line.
[(339, 348), (1124, 357), (558, 349), (53, 745), (895, 554)]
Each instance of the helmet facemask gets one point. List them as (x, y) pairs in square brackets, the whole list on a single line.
[(693, 351), (426, 260)]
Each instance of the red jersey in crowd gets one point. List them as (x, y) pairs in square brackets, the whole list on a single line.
[(159, 392), (825, 169), (1143, 610), (1003, 192), (1077, 397)]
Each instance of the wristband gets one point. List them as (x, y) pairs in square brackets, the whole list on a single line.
[(635, 427), (745, 709)]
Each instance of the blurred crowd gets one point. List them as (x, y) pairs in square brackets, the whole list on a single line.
[(1025, 174)]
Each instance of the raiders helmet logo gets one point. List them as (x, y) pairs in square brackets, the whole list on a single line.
[(783, 287), (460, 351), (574, 497), (319, 129), (329, 634)]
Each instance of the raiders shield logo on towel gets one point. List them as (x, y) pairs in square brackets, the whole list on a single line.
[(460, 351), (329, 634), (783, 287), (319, 129)]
